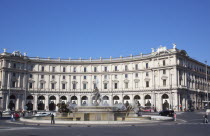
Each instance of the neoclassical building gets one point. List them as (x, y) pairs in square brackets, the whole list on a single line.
[(164, 78)]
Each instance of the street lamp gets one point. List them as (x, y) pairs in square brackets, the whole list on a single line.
[(207, 86)]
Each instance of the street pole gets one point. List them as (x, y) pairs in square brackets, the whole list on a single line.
[(207, 86)]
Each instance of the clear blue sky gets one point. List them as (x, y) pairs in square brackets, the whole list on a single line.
[(84, 28)]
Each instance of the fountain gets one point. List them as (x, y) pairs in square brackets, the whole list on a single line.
[(95, 112), (101, 112)]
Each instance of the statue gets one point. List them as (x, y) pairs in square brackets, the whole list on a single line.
[(96, 96), (174, 46)]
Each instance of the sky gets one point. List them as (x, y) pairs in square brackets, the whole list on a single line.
[(104, 28)]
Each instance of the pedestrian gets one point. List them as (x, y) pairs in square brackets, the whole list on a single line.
[(174, 116), (206, 118), (0, 114), (12, 117), (52, 119)]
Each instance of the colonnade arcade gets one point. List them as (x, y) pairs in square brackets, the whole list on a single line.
[(49, 102)]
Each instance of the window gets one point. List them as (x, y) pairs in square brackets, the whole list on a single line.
[(53, 86), (42, 76), (164, 71), (84, 86), (147, 83), (53, 77), (14, 74), (32, 67), (105, 85), (126, 75), (63, 86), (105, 76), (126, 85), (147, 73), (64, 69), (74, 86), (95, 69), (85, 77), (136, 84), (95, 77), (42, 68), (115, 76), (94, 86), (30, 76), (53, 69), (74, 77), (41, 85), (75, 69), (14, 65), (105, 69), (136, 75), (30, 85), (126, 68), (64, 77), (13, 83), (147, 65), (136, 67), (164, 82), (85, 69), (164, 62), (115, 85), (115, 68)]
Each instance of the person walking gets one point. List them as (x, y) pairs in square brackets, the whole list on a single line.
[(52, 119), (206, 118), (12, 117), (174, 116), (0, 114)]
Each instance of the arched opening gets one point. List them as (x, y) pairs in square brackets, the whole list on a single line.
[(165, 102), (84, 100), (105, 101), (41, 102), (63, 99), (11, 105), (29, 104), (52, 103), (147, 101), (116, 99), (137, 100), (126, 100), (74, 100)]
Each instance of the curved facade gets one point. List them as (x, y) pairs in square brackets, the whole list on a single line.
[(165, 78)]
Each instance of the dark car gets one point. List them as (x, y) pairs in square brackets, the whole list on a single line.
[(169, 113)]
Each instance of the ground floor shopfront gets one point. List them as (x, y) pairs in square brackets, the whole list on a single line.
[(159, 99)]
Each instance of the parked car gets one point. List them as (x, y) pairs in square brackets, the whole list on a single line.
[(169, 113), (207, 110), (147, 109), (42, 114), (7, 113)]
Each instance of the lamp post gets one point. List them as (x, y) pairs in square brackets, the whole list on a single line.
[(207, 99)]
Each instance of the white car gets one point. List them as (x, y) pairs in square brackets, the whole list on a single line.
[(42, 114), (207, 110), (6, 112)]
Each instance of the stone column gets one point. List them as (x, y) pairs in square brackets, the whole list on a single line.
[(79, 100), (68, 98), (23, 102), (57, 101), (111, 100), (35, 102), (7, 102), (17, 103), (132, 100), (47, 103), (90, 100)]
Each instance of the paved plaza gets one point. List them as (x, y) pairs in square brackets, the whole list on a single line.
[(188, 124)]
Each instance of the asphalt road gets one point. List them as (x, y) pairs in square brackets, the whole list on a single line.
[(188, 124)]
